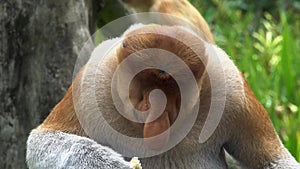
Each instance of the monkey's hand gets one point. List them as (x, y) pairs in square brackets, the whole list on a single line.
[(54, 149)]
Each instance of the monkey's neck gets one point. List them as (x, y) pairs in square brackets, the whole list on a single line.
[(63, 117)]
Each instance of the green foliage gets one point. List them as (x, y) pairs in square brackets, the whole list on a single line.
[(262, 37)]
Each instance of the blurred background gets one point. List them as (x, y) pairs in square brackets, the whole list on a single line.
[(41, 39)]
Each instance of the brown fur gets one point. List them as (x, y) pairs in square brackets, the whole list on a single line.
[(253, 140), (63, 116), (141, 5), (180, 8), (165, 38)]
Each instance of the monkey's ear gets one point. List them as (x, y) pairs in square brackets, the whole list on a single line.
[(182, 43)]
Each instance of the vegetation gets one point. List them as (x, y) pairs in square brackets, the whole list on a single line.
[(262, 37)]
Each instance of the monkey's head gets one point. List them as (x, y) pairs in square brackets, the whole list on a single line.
[(145, 47)]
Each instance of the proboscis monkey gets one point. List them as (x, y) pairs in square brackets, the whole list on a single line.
[(66, 138), (180, 8)]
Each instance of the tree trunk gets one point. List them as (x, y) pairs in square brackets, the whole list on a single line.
[(39, 44)]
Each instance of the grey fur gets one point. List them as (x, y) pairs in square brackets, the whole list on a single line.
[(55, 149)]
